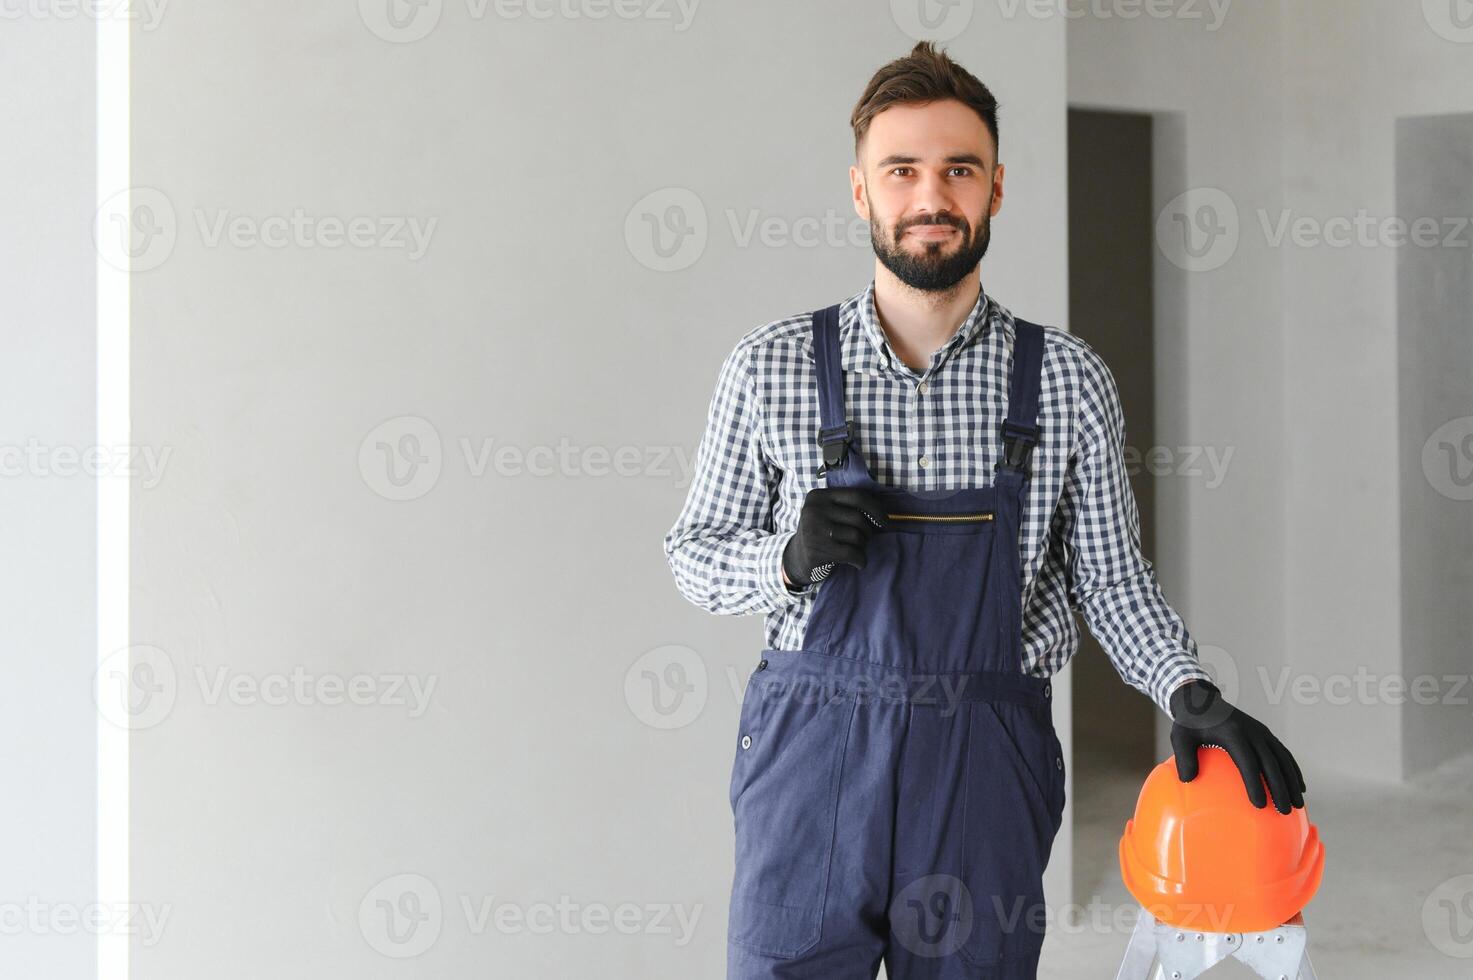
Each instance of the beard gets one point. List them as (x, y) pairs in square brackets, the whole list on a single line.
[(932, 266)]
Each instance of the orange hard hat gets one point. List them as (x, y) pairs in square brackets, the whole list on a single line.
[(1201, 856)]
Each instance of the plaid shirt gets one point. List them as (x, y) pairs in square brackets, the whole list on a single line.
[(929, 430)]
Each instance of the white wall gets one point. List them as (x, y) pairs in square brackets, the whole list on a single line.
[(47, 426), (537, 314)]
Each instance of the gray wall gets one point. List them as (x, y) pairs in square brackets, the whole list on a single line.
[(289, 379), (1288, 351), (1434, 291)]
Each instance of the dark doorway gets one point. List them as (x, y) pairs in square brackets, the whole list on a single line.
[(1111, 253)]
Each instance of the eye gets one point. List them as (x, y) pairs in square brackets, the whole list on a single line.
[(898, 169), (967, 170)]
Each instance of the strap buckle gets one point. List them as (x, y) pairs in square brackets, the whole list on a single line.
[(1018, 441), (835, 444)]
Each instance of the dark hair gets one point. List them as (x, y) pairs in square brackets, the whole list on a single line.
[(924, 75)]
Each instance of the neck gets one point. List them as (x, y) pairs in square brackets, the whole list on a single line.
[(916, 322)]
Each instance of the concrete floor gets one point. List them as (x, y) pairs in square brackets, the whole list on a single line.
[(1387, 848)]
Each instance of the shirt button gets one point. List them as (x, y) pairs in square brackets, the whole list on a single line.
[(923, 387), (746, 741), (924, 461)]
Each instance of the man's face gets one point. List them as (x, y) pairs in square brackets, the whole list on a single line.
[(929, 189)]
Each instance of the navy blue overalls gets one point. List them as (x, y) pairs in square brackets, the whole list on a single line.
[(898, 782)]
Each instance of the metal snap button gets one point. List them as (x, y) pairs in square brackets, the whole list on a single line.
[(1048, 690), (1059, 762), (762, 665), (746, 741)]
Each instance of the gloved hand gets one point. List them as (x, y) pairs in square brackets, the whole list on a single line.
[(834, 526), (1202, 717)]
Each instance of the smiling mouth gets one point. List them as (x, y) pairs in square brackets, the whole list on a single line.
[(930, 231)]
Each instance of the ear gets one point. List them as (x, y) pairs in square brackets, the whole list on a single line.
[(857, 189)]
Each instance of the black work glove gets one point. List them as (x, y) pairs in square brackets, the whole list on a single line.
[(834, 526), (1202, 717)]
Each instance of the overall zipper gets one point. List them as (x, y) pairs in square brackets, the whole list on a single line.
[(985, 515)]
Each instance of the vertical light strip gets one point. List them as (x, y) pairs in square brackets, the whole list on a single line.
[(112, 490)]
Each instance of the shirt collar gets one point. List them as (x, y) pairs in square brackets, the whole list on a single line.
[(876, 353)]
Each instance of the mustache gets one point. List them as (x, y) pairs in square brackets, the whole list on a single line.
[(938, 220)]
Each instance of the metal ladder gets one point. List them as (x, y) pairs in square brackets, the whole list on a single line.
[(1158, 950)]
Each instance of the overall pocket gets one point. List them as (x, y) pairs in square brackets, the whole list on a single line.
[(785, 791), (879, 613), (1014, 802)]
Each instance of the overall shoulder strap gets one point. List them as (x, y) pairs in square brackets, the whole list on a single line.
[(835, 432), (1020, 429)]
